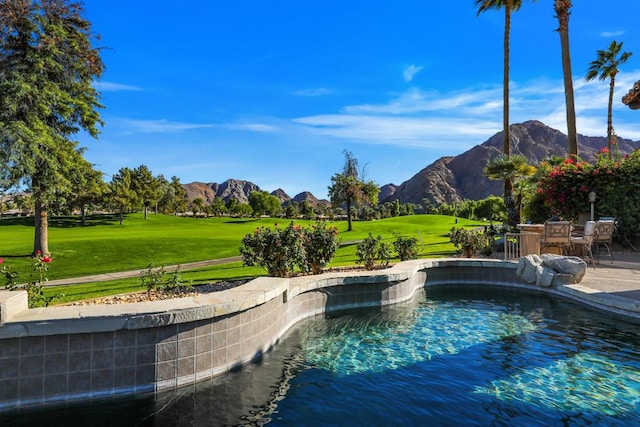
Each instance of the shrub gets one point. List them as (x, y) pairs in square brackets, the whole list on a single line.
[(320, 245), (35, 287), (155, 279), (406, 247), (279, 250), (470, 242), (372, 249)]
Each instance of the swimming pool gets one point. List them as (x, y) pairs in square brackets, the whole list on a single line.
[(451, 356)]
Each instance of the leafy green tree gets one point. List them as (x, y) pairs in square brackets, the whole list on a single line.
[(605, 66), (509, 169), (147, 187), (291, 211), (218, 207), (174, 196), (87, 188), (264, 203), (47, 69), (563, 10), (122, 196), (197, 205), (307, 210), (348, 187)]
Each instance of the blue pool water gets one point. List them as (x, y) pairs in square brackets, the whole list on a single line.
[(455, 356)]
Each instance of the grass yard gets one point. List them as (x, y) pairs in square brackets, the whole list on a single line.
[(103, 245)]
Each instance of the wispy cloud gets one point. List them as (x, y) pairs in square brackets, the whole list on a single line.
[(162, 126), (462, 118), (410, 72), (252, 127), (612, 33), (321, 91), (115, 87)]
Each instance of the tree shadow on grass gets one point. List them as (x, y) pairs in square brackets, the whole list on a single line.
[(241, 221), (69, 221)]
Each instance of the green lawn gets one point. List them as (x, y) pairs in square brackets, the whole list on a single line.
[(103, 245)]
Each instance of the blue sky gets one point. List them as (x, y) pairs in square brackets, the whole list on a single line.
[(273, 91)]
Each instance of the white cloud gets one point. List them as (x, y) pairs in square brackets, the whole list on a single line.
[(321, 91), (252, 127), (114, 87), (462, 118), (162, 125), (611, 33), (410, 72)]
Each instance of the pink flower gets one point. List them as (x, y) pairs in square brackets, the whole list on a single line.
[(1, 260), (46, 259), (38, 252), (604, 150)]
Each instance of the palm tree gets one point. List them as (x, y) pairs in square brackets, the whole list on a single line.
[(562, 8), (509, 6), (510, 169), (606, 66)]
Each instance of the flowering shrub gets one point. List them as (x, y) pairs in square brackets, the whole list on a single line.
[(373, 249), (615, 179), (320, 245), (470, 242), (279, 250), (35, 287)]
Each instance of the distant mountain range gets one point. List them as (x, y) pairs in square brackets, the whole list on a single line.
[(448, 179)]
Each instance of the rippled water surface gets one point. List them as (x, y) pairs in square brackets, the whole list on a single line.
[(452, 357)]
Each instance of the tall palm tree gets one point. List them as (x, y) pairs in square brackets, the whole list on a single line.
[(508, 6), (510, 169), (606, 66), (562, 8)]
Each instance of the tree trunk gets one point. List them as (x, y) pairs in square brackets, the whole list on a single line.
[(505, 115), (83, 215), (610, 115), (562, 10), (41, 238), (348, 214), (513, 215)]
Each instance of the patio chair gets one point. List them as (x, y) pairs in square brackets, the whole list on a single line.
[(557, 234), (584, 243), (604, 237)]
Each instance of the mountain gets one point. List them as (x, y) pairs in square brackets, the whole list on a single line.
[(231, 188), (240, 190), (452, 179)]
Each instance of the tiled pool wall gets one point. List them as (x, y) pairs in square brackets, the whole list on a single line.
[(58, 355)]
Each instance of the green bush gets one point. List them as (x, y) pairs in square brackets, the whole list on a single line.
[(282, 252), (470, 242), (373, 249), (406, 247), (320, 246), (157, 279), (563, 189)]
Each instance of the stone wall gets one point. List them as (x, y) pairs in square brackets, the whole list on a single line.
[(54, 355)]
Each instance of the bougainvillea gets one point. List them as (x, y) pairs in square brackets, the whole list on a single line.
[(564, 189)]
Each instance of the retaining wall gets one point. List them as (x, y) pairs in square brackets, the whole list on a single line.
[(61, 354)]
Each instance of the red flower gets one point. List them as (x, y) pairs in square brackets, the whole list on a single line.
[(46, 259), (1, 260), (38, 252), (604, 150), (568, 161)]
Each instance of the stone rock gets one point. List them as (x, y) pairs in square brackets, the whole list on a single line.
[(572, 265), (562, 279), (527, 268), (544, 276)]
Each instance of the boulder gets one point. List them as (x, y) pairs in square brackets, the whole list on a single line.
[(551, 270)]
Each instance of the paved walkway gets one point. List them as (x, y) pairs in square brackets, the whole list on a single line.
[(136, 273), (622, 278)]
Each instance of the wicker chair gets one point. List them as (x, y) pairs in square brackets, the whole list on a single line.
[(584, 243), (557, 234), (604, 237)]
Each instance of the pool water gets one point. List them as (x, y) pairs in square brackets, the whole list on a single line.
[(450, 356)]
